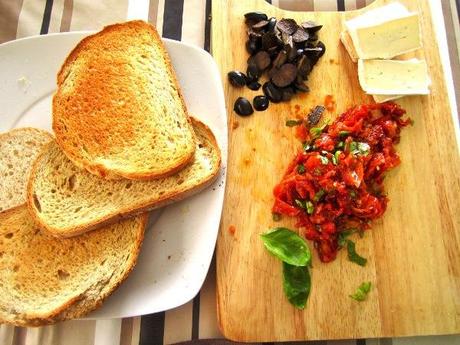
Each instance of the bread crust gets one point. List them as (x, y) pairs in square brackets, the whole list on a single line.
[(100, 169), (165, 199), (13, 133)]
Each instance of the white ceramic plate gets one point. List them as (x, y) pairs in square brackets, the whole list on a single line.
[(180, 239)]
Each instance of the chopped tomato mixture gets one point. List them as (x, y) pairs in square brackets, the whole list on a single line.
[(335, 183)]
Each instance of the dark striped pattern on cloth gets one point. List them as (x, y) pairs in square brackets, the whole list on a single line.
[(190, 21)]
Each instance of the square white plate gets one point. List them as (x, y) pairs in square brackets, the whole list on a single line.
[(180, 239)]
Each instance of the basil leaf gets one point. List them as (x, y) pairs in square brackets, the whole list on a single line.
[(293, 123), (296, 284), (310, 207), (300, 168), (340, 145), (324, 160), (287, 246), (359, 148), (353, 256), (316, 131), (362, 291), (342, 237), (301, 203), (318, 195)]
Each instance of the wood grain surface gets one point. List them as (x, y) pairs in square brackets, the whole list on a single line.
[(413, 252)]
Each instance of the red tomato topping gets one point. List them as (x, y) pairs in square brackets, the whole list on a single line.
[(336, 181)]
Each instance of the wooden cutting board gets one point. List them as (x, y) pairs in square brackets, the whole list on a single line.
[(413, 252)]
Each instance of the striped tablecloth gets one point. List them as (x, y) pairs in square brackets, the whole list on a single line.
[(186, 20)]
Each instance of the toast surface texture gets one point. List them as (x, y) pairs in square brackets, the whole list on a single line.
[(118, 110), (66, 200), (18, 149), (45, 279)]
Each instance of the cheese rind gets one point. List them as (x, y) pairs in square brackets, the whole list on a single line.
[(394, 77), (377, 15), (385, 98), (387, 39)]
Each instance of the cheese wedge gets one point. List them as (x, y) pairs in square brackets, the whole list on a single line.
[(385, 98), (383, 33), (394, 77), (348, 44), (377, 15)]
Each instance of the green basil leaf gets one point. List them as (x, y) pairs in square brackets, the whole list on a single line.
[(293, 123), (353, 256), (310, 207), (300, 168), (288, 246), (316, 131), (296, 284), (343, 235), (362, 291), (359, 148), (318, 195), (323, 159), (301, 203)]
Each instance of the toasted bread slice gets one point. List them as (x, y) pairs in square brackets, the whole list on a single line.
[(45, 279), (67, 200), (118, 109), (18, 149)]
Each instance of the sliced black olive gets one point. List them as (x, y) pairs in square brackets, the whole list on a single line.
[(252, 46), (285, 75), (271, 24), (280, 59), (262, 60), (269, 40), (300, 35), (313, 37), (287, 25), (315, 115), (260, 25), (236, 78), (312, 54), (254, 85), (287, 39), (260, 103), (272, 92), (253, 34), (311, 26), (254, 17), (301, 87), (252, 73), (292, 53), (304, 67), (322, 47), (273, 52), (288, 93), (243, 107)]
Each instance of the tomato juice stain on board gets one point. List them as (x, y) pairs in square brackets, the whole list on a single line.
[(329, 103)]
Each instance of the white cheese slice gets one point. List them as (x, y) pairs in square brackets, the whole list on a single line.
[(385, 98), (377, 16), (348, 44), (387, 39), (394, 77)]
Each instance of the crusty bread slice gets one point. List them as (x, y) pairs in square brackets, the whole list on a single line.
[(45, 279), (67, 200), (118, 110), (18, 149)]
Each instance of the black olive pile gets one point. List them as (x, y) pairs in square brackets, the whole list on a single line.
[(285, 51)]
